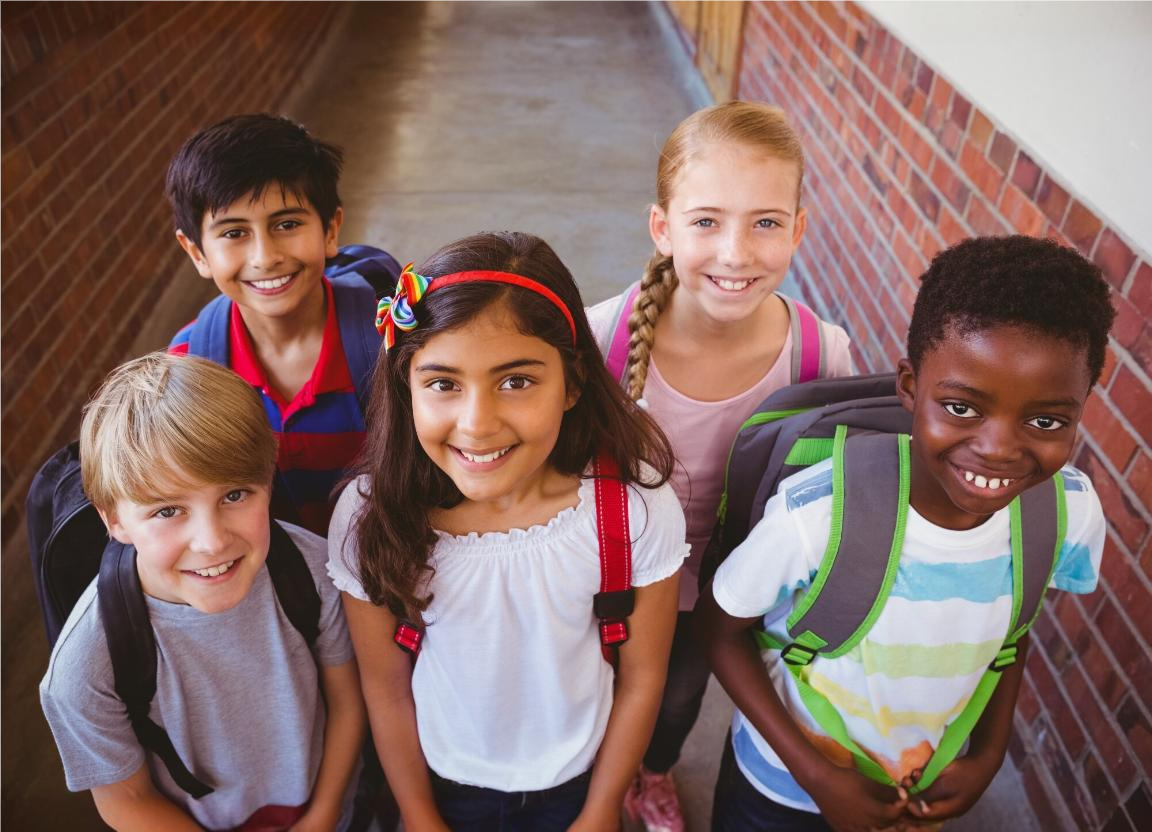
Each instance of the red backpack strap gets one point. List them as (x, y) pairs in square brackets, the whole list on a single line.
[(808, 362), (409, 637), (616, 357), (616, 598)]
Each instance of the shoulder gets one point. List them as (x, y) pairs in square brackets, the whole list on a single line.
[(657, 528), (179, 342), (1078, 563), (80, 655), (343, 564)]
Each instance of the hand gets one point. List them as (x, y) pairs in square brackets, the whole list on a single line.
[(955, 790), (851, 802)]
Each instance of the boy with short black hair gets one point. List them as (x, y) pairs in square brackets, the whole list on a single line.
[(257, 209), (177, 457), (1007, 337)]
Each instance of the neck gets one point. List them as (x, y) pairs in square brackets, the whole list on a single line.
[(693, 325), (304, 324)]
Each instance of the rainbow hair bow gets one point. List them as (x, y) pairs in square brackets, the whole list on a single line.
[(395, 312)]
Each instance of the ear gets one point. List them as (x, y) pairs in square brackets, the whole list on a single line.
[(115, 529), (332, 236), (906, 384), (800, 227), (193, 251), (658, 228)]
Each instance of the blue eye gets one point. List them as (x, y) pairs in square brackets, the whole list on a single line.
[(704, 222), (768, 222), (166, 513), (236, 495)]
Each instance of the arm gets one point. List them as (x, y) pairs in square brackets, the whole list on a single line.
[(640, 677), (343, 736), (134, 804), (964, 780), (386, 681), (847, 799)]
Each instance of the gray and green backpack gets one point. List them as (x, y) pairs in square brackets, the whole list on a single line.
[(860, 424)]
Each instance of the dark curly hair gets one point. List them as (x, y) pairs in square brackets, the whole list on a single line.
[(244, 155), (1020, 281)]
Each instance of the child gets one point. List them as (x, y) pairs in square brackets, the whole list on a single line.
[(177, 457), (256, 208), (476, 513), (1006, 340), (710, 338)]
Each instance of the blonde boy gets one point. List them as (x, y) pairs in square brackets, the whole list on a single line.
[(178, 458)]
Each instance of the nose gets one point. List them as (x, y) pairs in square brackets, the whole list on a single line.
[(210, 536), (264, 254), (998, 441), (734, 247), (479, 416)]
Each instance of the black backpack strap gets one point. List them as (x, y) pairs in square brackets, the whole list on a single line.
[(294, 584), (870, 477), (1042, 526), (132, 648)]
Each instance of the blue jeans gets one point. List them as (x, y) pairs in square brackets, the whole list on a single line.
[(476, 809), (738, 807)]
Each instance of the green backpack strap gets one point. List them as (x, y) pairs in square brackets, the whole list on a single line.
[(1034, 556)]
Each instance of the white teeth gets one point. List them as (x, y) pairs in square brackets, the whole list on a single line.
[(485, 457), (991, 484), (731, 285), (213, 571), (274, 283)]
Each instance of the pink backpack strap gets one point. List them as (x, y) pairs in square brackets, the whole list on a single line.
[(616, 356), (808, 359), (616, 598)]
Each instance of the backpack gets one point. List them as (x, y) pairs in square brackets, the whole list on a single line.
[(359, 276), (69, 546), (809, 359), (616, 599), (860, 424)]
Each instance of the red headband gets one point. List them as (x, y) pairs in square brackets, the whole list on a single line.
[(389, 307)]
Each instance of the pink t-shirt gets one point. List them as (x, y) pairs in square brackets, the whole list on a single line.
[(702, 432)]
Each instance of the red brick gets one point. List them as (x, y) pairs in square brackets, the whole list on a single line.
[(951, 228), (1026, 174), (983, 221), (1140, 292), (1137, 729), (1021, 213), (1134, 400), (1081, 226), (1122, 515), (1139, 476), (949, 184), (924, 197), (983, 174), (1114, 440), (1113, 256), (1128, 588), (1002, 152), (1128, 328), (980, 130), (1052, 199)]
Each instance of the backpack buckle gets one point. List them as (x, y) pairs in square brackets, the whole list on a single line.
[(798, 655), (614, 604), (1004, 659), (408, 637)]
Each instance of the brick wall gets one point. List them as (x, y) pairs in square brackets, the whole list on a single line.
[(96, 98), (902, 165)]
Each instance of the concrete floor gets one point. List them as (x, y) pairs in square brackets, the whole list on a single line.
[(457, 118)]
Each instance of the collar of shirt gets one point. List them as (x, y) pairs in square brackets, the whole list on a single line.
[(330, 375)]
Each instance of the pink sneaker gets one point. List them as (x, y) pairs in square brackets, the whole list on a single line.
[(653, 801)]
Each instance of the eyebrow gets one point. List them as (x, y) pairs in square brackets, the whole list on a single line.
[(756, 212), (501, 368), (283, 212), (974, 393)]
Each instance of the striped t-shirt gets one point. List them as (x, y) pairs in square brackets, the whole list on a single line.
[(319, 432), (917, 667)]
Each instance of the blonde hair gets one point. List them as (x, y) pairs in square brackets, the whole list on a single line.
[(160, 418), (758, 126)]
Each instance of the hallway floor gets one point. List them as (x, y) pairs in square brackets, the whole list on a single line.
[(542, 117)]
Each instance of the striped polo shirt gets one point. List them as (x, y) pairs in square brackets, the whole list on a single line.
[(916, 669), (320, 431)]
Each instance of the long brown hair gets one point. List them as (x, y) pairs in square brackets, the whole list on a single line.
[(759, 126), (392, 533)]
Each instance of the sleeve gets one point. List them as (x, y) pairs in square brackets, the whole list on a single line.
[(838, 349), (333, 644), (602, 320), (656, 522), (89, 722), (782, 553), (1078, 564), (179, 343), (343, 557)]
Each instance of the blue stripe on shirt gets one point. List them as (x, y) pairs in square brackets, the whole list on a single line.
[(982, 581), (777, 780)]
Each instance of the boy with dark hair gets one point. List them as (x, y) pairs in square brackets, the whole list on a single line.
[(256, 208), (177, 457), (1006, 340)]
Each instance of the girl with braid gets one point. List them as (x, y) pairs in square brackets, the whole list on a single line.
[(701, 340)]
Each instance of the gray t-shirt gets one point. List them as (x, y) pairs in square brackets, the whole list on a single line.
[(237, 692)]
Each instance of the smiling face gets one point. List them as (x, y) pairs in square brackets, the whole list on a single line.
[(994, 412), (487, 402), (731, 226), (200, 545), (267, 254)]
